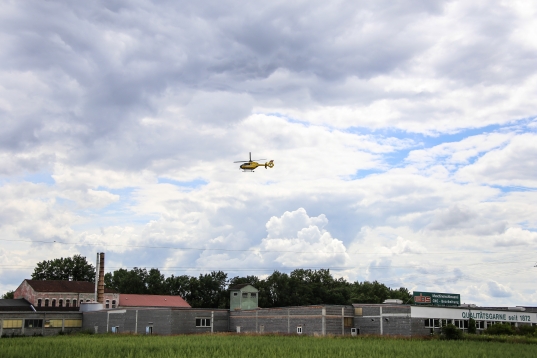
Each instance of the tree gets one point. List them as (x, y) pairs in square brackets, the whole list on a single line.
[(376, 292), (8, 295), (74, 268), (472, 329)]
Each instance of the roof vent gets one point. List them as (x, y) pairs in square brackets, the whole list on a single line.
[(521, 309), (393, 301)]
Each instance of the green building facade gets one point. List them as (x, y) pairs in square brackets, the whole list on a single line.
[(243, 297)]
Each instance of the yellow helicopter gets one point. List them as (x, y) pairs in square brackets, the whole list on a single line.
[(251, 165)]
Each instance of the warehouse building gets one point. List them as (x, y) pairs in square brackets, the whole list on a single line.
[(163, 321), (311, 320), (410, 320), (18, 317), (61, 295)]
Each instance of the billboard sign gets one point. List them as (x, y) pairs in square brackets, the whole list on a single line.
[(436, 298)]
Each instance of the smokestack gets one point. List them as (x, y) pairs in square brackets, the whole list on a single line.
[(97, 275), (100, 289)]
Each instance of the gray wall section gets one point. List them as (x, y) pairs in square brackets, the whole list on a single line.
[(184, 321), (287, 319), (417, 327), (385, 319), (163, 321)]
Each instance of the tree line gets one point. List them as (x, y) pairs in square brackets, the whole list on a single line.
[(210, 290), (300, 287)]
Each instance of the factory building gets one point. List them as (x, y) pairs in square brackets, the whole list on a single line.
[(410, 320), (61, 295), (311, 320), (18, 317), (163, 321)]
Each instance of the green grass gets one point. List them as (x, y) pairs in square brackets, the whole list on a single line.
[(253, 346)]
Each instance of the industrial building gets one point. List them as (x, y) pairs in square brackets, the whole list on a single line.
[(311, 320), (18, 317), (61, 295), (412, 320), (50, 307), (163, 321)]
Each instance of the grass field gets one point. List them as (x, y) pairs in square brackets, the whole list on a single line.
[(252, 346)]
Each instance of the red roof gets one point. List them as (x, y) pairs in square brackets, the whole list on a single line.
[(65, 286), (126, 300)]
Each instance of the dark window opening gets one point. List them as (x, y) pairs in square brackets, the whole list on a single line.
[(39, 302), (46, 302), (113, 303), (33, 323), (53, 303), (245, 295), (253, 295), (107, 304), (74, 303), (67, 303), (203, 322), (60, 303)]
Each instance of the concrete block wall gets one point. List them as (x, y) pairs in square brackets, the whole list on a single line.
[(129, 321), (287, 319), (184, 321)]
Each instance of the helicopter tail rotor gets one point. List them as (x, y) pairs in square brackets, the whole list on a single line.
[(269, 164)]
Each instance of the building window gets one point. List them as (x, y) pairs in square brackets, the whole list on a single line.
[(253, 295), (203, 322), (33, 323), (461, 324), (107, 304), (67, 303), (38, 302), (299, 330), (149, 330), (60, 303), (244, 295), (235, 293), (72, 323), (348, 322), (358, 311), (46, 302), (53, 323), (115, 329), (74, 303), (113, 303), (88, 301), (480, 324), (12, 323), (53, 302), (432, 323)]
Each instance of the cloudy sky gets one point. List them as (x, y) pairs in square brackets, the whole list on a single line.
[(404, 137)]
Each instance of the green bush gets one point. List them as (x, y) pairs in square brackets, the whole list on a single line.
[(527, 330), (500, 329), (472, 329), (451, 332)]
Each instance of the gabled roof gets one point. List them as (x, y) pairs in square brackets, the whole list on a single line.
[(132, 300), (65, 286), (240, 286)]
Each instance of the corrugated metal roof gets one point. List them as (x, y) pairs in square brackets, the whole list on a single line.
[(65, 286), (132, 300)]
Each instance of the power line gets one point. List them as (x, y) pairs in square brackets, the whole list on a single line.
[(258, 250)]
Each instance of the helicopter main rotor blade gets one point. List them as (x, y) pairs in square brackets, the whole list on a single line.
[(255, 160), (242, 161)]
